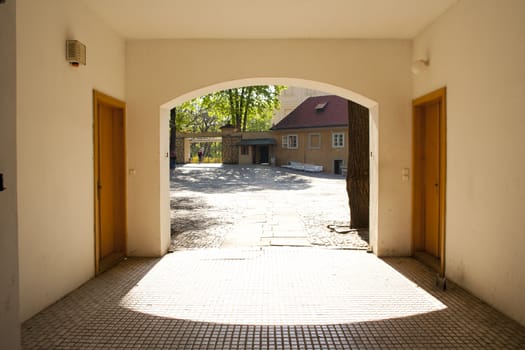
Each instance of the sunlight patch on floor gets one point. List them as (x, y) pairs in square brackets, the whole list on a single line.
[(277, 286)]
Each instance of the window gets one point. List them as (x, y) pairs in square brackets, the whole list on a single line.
[(290, 141), (285, 141), (245, 150), (314, 141), (320, 106), (338, 140)]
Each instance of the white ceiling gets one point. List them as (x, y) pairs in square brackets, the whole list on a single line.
[(265, 19)]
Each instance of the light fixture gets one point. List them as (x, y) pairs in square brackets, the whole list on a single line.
[(75, 52), (419, 65)]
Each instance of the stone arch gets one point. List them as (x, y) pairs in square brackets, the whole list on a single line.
[(316, 85)]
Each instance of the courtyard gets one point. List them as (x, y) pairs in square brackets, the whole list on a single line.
[(224, 206)]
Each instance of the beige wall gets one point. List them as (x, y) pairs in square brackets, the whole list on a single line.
[(476, 50), (246, 158), (55, 144), (9, 325), (168, 72), (324, 155)]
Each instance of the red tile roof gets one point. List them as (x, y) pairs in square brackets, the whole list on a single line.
[(317, 112)]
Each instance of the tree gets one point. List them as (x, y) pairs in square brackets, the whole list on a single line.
[(249, 101), (248, 108), (358, 179), (194, 116)]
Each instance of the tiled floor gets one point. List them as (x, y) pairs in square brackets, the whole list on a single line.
[(270, 298)]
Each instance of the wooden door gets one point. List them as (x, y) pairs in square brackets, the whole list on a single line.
[(110, 185), (428, 205), (430, 169)]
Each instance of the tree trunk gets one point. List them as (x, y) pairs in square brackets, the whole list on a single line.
[(173, 130), (357, 178), (240, 106), (246, 110), (233, 97)]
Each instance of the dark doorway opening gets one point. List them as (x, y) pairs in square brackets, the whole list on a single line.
[(264, 154), (338, 164)]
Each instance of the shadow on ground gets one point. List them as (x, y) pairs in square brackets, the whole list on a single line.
[(100, 315), (188, 213), (240, 179), (213, 200), (192, 223)]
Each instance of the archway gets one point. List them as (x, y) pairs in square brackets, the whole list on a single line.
[(158, 71), (329, 89)]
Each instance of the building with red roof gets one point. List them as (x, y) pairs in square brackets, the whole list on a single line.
[(314, 133)]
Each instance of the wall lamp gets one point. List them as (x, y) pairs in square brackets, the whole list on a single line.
[(75, 53), (419, 65)]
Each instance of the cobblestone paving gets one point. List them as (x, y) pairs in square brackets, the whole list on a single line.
[(230, 206)]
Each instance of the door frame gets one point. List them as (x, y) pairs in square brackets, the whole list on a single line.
[(100, 98), (418, 104)]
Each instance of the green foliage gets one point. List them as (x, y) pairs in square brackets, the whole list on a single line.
[(248, 108), (194, 116), (212, 152)]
